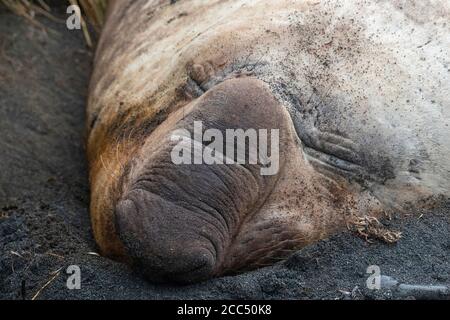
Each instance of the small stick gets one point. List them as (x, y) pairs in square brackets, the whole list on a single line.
[(57, 272), (16, 254), (84, 26), (416, 291), (54, 255), (44, 5)]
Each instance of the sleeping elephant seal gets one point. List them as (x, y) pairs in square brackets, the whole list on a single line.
[(358, 91)]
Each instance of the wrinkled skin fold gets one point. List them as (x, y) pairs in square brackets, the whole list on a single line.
[(359, 91)]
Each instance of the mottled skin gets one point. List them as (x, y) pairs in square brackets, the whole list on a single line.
[(360, 91)]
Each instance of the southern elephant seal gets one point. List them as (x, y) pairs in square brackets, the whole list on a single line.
[(360, 94)]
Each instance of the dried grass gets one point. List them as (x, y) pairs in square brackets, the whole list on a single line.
[(93, 11), (371, 228)]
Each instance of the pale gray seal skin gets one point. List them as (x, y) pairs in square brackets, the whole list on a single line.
[(360, 91)]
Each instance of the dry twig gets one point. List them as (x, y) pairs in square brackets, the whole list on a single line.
[(56, 274)]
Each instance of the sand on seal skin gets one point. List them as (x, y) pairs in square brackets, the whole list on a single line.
[(44, 220)]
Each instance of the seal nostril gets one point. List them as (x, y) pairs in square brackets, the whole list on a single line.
[(179, 266), (199, 265), (160, 244)]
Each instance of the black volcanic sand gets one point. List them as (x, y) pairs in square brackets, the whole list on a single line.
[(44, 221)]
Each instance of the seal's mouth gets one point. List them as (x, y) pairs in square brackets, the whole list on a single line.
[(179, 221)]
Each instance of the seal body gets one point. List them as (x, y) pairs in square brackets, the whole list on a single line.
[(360, 94)]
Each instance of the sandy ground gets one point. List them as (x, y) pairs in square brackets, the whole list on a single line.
[(44, 220)]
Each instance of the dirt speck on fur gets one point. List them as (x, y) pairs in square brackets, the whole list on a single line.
[(44, 218)]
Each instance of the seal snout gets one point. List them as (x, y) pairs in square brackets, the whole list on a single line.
[(178, 220), (163, 240)]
